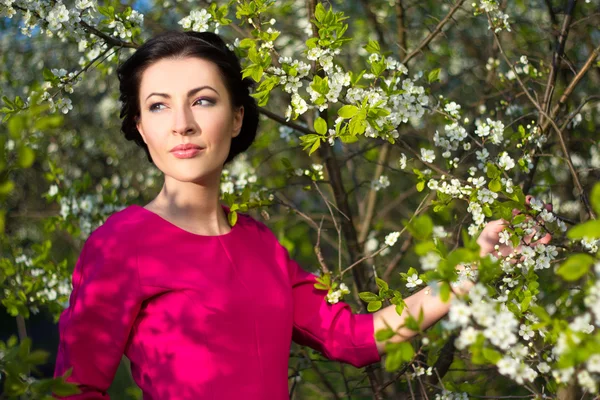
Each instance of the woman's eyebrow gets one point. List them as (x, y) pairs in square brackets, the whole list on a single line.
[(190, 93)]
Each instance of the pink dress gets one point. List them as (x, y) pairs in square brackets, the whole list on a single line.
[(200, 317)]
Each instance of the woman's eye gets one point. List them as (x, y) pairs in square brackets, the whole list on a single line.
[(204, 102), (156, 107)]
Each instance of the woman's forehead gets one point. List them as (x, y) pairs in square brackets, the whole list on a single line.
[(180, 74)]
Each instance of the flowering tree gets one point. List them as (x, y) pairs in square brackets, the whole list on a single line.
[(382, 154)]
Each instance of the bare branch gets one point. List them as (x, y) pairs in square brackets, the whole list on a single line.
[(283, 121), (556, 58), (434, 33), (372, 196), (582, 195)]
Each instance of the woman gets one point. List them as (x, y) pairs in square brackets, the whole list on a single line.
[(203, 310)]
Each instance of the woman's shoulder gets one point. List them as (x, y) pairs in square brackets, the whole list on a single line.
[(126, 223)]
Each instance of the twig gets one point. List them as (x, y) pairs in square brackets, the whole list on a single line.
[(372, 196), (557, 55), (318, 250), (434, 33), (283, 121), (582, 195), (588, 64)]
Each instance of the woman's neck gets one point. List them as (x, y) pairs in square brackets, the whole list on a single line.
[(191, 206)]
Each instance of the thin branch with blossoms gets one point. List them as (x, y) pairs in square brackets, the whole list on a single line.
[(582, 195)]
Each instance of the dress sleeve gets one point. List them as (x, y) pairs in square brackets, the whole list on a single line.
[(105, 301), (330, 329)]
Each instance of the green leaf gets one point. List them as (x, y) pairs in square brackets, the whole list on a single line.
[(26, 157), (421, 227), (320, 126), (575, 267), (16, 125), (420, 186), (314, 147), (445, 291), (368, 296), (6, 187), (47, 74), (400, 308), (372, 46), (407, 351), (492, 171), (491, 355), (495, 185), (393, 361), (348, 111), (423, 248), (384, 334), (374, 306), (381, 284), (595, 198), (589, 229), (247, 43), (434, 75), (232, 217)]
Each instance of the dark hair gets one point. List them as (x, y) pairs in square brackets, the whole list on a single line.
[(175, 44)]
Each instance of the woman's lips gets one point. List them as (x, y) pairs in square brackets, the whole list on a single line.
[(188, 153)]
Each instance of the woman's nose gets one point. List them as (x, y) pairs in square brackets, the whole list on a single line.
[(183, 121)]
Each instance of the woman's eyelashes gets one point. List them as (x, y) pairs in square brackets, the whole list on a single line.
[(203, 101)]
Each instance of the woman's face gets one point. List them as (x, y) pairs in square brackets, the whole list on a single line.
[(184, 101)]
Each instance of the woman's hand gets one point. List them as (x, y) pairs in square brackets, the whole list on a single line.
[(490, 236)]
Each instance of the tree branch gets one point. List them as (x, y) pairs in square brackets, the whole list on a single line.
[(283, 121), (556, 58), (434, 33), (582, 195)]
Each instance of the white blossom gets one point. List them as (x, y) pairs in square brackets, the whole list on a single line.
[(392, 238), (413, 281)]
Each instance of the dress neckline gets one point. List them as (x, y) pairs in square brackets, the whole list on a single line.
[(172, 225)]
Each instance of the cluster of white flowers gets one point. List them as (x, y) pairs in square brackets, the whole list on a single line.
[(316, 171), (23, 259), (516, 369), (420, 371), (492, 129), (402, 161), (238, 175), (505, 162), (381, 183), (335, 296), (430, 260), (199, 21), (53, 287), (591, 245), (323, 56), (447, 395), (58, 16), (453, 109), (293, 81), (454, 135), (401, 107), (485, 195), (499, 20), (592, 299), (478, 217), (453, 188), (439, 232)]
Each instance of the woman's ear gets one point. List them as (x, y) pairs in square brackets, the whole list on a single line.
[(238, 120), (138, 125)]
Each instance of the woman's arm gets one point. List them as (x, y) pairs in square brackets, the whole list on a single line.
[(428, 300)]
